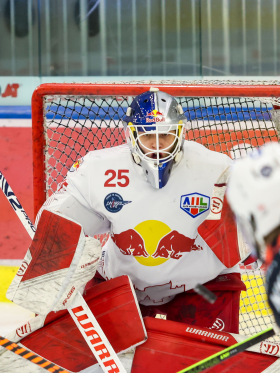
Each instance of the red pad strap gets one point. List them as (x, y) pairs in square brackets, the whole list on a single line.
[(53, 246)]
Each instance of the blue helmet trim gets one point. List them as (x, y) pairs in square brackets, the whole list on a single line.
[(164, 172), (160, 113), (141, 107)]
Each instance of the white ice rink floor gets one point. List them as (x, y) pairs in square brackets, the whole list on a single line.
[(12, 317)]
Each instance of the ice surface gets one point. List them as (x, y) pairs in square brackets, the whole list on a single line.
[(12, 316)]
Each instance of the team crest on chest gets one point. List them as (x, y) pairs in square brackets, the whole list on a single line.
[(114, 202), (195, 204)]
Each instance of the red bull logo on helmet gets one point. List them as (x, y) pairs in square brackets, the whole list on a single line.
[(155, 116), (195, 204)]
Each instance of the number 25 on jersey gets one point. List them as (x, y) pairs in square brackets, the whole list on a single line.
[(122, 178)]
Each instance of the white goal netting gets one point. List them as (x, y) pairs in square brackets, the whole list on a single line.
[(76, 124)]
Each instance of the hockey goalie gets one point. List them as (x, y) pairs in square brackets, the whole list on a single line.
[(59, 263), (163, 201)]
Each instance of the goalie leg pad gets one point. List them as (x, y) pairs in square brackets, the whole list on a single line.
[(59, 262), (116, 309), (173, 346)]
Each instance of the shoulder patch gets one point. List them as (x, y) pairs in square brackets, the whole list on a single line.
[(114, 202), (195, 204), (76, 165)]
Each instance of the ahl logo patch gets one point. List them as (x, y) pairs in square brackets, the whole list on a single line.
[(114, 202), (195, 204)]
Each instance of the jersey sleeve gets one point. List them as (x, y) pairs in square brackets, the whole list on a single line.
[(219, 229), (220, 190), (72, 200)]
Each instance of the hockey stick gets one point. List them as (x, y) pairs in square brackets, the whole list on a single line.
[(31, 356), (217, 358), (14, 202), (205, 293), (103, 351)]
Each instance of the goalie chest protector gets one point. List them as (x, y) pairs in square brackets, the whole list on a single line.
[(154, 232)]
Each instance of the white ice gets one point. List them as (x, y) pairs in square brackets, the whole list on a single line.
[(12, 316)]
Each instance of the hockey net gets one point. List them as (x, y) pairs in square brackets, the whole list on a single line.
[(230, 117)]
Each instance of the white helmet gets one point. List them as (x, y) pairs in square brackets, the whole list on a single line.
[(155, 113), (254, 195)]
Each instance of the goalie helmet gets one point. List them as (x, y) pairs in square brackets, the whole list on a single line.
[(157, 116), (254, 196)]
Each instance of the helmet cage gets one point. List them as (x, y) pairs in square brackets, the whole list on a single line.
[(135, 132), (156, 113)]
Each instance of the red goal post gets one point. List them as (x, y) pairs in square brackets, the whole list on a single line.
[(70, 119)]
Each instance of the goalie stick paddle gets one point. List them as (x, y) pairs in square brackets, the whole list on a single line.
[(221, 356), (31, 356), (104, 352)]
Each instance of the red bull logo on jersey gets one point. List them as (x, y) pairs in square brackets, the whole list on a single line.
[(130, 242), (155, 116), (76, 165), (195, 204), (174, 244), (152, 243)]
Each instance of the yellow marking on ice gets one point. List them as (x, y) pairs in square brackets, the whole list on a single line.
[(7, 273)]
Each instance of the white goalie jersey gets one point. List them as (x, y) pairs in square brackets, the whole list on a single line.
[(156, 235)]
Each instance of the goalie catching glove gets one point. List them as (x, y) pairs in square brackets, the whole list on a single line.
[(59, 262)]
